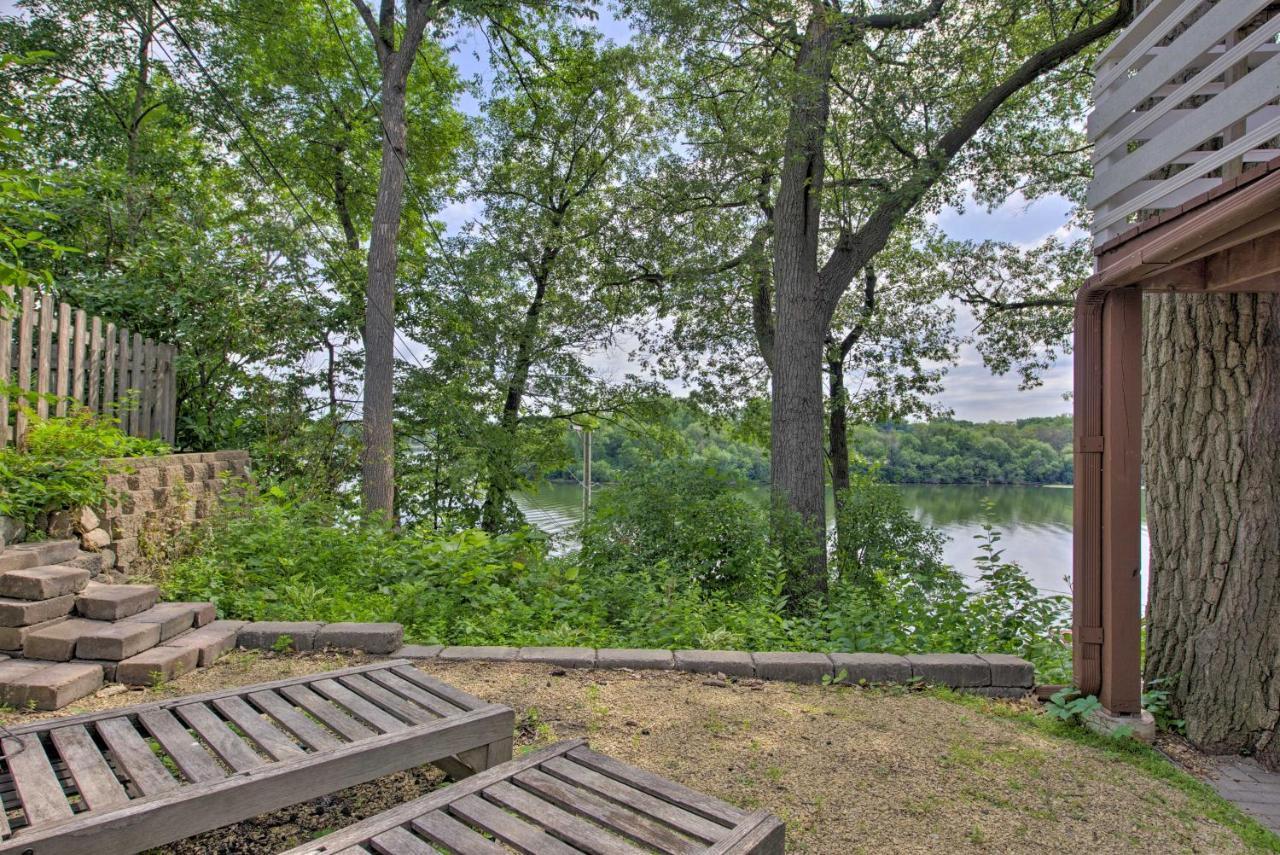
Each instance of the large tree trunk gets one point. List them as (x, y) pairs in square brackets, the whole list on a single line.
[(801, 318), (377, 458), (1212, 447)]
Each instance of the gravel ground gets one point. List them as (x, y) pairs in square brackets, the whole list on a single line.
[(849, 770)]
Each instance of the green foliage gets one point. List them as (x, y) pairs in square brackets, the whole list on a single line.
[(1156, 700), (1068, 705), (62, 464)]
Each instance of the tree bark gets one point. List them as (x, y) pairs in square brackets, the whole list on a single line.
[(377, 457), (1212, 440), (800, 320)]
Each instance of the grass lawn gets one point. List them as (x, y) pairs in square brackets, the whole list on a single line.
[(849, 770)]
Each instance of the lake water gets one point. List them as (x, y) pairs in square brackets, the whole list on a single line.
[(1035, 523)]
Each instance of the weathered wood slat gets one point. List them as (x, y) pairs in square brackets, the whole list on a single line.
[(607, 813), (94, 779), (192, 759), (135, 758), (26, 326), (44, 356), (276, 744), (231, 748), (415, 693), (448, 832), (62, 372), (283, 711), (6, 356), (366, 711), (397, 841), (576, 831), (137, 384), (43, 800), (389, 701), (123, 363), (333, 717), (520, 835), (93, 398), (759, 833), (677, 817), (109, 367), (712, 809), (79, 346), (455, 696)]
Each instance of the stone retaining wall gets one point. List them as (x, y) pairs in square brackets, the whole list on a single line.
[(155, 497)]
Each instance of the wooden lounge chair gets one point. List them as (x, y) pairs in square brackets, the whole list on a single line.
[(137, 777), (562, 800)]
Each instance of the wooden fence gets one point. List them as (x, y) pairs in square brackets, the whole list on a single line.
[(61, 351)]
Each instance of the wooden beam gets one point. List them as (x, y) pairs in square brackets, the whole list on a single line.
[(1121, 501), (1086, 533)]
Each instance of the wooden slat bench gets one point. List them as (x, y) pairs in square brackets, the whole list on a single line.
[(562, 800), (136, 777)]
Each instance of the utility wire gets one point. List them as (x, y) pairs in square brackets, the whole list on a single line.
[(243, 123)]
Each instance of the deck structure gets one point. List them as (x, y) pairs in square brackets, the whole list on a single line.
[(1186, 197)]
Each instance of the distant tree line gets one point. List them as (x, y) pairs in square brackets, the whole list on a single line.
[(1027, 451)]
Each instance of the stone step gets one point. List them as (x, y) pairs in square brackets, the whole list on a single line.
[(13, 638), (20, 556), (172, 618), (118, 641), (115, 602), (45, 685), (42, 582), (57, 641), (210, 641), (30, 612), (157, 665)]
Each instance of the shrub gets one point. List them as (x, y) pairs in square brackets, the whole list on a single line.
[(61, 465)]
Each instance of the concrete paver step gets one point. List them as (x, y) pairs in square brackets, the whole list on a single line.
[(157, 665), (115, 602), (49, 686), (172, 618), (28, 612), (117, 641), (57, 640), (211, 641), (42, 582), (20, 556)]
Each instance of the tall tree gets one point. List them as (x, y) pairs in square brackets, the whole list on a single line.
[(1212, 419), (396, 45)]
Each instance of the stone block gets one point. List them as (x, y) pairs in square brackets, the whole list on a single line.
[(159, 664), (731, 663), (1009, 670), (419, 651), (1141, 726), (266, 634), (793, 667), (95, 539), (172, 618), (117, 641), (57, 639), (369, 637), (115, 602), (43, 582), (13, 670), (54, 686), (638, 659), (957, 670), (90, 561), (871, 668), (469, 653), (567, 657), (13, 637), (29, 612), (210, 642), (87, 520), (108, 667), (126, 551)]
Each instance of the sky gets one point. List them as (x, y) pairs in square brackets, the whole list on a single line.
[(971, 391)]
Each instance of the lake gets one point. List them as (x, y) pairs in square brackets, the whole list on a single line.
[(1035, 523)]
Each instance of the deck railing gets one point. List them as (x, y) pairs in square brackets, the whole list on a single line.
[(1184, 98), (55, 356)]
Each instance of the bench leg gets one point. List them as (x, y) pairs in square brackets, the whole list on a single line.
[(476, 759)]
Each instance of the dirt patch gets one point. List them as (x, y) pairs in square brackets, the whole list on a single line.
[(848, 770)]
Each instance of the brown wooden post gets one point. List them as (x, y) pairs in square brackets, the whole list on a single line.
[(1121, 501), (1086, 532)]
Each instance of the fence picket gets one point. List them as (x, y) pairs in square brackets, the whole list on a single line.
[(44, 356), (122, 380), (6, 354), (78, 348), (26, 323), (138, 353), (93, 398), (62, 371), (109, 369)]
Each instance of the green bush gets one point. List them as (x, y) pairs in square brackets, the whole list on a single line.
[(61, 464), (675, 557)]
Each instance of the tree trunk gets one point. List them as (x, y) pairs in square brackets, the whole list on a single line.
[(502, 461), (377, 458), (801, 319), (1212, 443)]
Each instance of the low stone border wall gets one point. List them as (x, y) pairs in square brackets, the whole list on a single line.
[(303, 636), (997, 675)]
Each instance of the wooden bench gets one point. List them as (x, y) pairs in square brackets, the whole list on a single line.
[(562, 800), (137, 777)]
